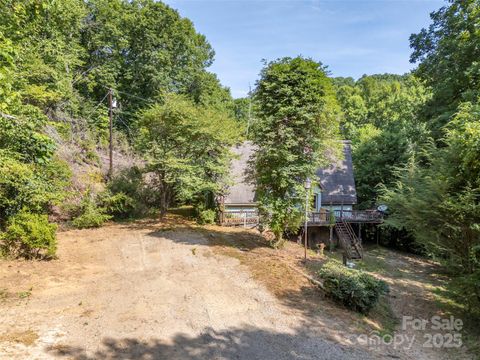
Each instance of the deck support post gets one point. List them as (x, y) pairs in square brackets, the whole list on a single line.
[(330, 239), (360, 232)]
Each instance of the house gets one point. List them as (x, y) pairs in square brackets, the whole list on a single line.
[(332, 203), (336, 191)]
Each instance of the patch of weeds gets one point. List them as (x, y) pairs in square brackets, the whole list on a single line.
[(25, 294), (375, 261), (373, 264), (95, 177), (3, 294), (446, 300), (383, 314), (334, 255), (194, 251), (166, 228)]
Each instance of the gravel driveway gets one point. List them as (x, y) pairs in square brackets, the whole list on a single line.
[(127, 292)]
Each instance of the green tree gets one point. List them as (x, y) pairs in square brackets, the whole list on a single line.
[(242, 109), (145, 49), (381, 117), (297, 115), (440, 203), (8, 97), (188, 150), (46, 35), (447, 54)]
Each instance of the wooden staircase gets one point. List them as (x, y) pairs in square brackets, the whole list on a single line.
[(349, 241)]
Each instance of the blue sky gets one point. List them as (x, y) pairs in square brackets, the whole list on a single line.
[(351, 37)]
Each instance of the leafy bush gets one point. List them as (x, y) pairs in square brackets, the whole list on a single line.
[(29, 235), (30, 186), (355, 289), (206, 216), (90, 215), (118, 205), (23, 135), (132, 184)]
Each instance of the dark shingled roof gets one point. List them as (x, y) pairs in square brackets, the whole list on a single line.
[(337, 181), (241, 192)]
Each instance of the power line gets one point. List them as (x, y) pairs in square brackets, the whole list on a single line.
[(97, 106), (82, 75), (129, 130), (125, 112), (131, 95)]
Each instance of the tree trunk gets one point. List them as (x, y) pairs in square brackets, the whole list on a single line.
[(279, 240), (164, 199)]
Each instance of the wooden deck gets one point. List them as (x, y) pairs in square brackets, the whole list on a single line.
[(326, 218), (350, 216)]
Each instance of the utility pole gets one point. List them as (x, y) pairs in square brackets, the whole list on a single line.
[(308, 184), (110, 114)]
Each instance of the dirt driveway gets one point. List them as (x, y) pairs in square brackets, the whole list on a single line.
[(134, 292)]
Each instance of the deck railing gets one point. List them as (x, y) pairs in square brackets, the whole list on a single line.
[(354, 216), (250, 217), (239, 217)]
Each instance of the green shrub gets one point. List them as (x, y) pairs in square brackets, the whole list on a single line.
[(206, 216), (131, 182), (89, 214), (30, 186), (29, 235), (118, 205), (355, 289), (23, 135), (92, 217)]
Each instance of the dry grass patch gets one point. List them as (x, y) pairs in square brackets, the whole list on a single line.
[(267, 265), (27, 337)]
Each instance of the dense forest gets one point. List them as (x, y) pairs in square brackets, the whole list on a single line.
[(415, 137), (173, 119)]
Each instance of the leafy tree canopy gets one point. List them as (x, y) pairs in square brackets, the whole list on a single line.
[(380, 116), (187, 149), (447, 54), (297, 114)]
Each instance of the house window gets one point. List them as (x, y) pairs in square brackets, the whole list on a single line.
[(314, 202)]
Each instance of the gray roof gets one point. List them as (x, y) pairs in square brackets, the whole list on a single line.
[(337, 180), (241, 192)]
